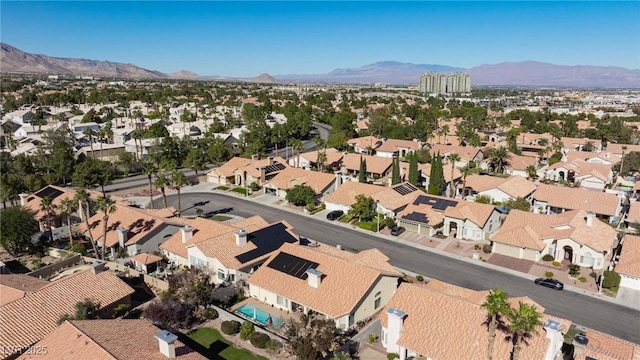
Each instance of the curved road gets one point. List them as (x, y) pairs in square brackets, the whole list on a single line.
[(585, 310), (322, 130)]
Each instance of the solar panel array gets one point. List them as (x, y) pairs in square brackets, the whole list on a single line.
[(416, 216), (435, 203), (49, 192), (266, 240), (404, 189), (292, 265), (274, 167)]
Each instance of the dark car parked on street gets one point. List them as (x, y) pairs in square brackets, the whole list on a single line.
[(397, 230), (550, 283), (335, 214)]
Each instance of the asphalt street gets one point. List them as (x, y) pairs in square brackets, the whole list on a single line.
[(582, 309)]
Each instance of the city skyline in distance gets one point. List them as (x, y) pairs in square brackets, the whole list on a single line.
[(240, 39)]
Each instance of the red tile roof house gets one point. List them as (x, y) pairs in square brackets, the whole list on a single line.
[(377, 167), (400, 148), (321, 183), (585, 174), (110, 339), (309, 160), (335, 284), (229, 251), (364, 145), (443, 321), (576, 236), (466, 153), (552, 199), (243, 172), (34, 315), (389, 200), (629, 264), (499, 189), (430, 214), (132, 229)]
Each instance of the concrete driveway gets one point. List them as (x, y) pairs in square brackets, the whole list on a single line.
[(629, 296)]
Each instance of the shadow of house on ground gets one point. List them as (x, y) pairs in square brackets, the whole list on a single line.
[(212, 352)]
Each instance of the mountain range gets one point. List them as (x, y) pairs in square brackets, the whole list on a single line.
[(524, 73)]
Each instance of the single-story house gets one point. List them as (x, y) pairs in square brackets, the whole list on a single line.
[(629, 263), (585, 174), (321, 183), (377, 167), (498, 189), (396, 147), (518, 164), (553, 199), (309, 160), (466, 153), (364, 145), (243, 172)]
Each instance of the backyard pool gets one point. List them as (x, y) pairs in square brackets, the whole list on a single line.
[(260, 316)]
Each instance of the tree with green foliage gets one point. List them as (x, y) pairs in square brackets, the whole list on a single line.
[(92, 172), (246, 330), (496, 306), (414, 173), (179, 180), (193, 286), (17, 229), (311, 339), (161, 182), (301, 195), (395, 171), (49, 209), (67, 207), (436, 177), (453, 158), (363, 209), (532, 172), (519, 203), (523, 322), (499, 158), (107, 206), (362, 172), (150, 170), (195, 159), (88, 309), (217, 151), (84, 200)]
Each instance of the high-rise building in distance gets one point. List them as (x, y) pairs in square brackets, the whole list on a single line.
[(438, 83)]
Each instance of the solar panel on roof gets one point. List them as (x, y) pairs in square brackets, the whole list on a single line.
[(49, 192), (266, 240), (292, 265), (415, 216), (404, 189), (273, 167)]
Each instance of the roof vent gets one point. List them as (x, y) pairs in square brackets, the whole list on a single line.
[(314, 277), (241, 237), (579, 344), (166, 343)]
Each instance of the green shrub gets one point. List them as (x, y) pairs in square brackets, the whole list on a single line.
[(548, 274), (210, 313), (392, 356), (230, 327), (486, 249), (547, 257), (273, 346), (388, 222), (574, 270), (259, 339), (222, 187), (611, 279), (373, 338), (594, 274), (419, 278), (254, 186), (246, 330), (240, 190), (476, 247), (121, 310), (556, 263), (582, 279)]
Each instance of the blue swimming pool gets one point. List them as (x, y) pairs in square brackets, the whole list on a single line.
[(260, 316)]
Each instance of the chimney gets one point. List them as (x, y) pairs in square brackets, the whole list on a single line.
[(23, 199), (255, 157), (270, 160), (122, 236), (590, 216), (166, 343), (579, 345), (556, 338), (241, 237), (395, 321), (263, 175), (314, 278), (97, 267), (187, 233), (339, 247), (338, 181), (343, 169)]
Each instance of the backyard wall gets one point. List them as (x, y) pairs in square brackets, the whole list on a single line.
[(149, 280), (46, 272)]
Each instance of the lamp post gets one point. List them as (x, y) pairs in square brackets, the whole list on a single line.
[(604, 259), (377, 216)]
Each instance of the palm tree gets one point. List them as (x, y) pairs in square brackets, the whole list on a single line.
[(624, 147), (83, 199), (68, 206), (149, 169), (523, 322), (496, 306), (322, 158), (161, 182), (499, 157), (453, 158), (179, 180), (100, 134), (531, 172), (88, 132), (107, 206), (297, 146), (466, 171), (48, 208)]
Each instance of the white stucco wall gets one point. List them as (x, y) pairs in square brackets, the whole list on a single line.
[(631, 282)]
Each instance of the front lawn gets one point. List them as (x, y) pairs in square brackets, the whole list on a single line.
[(221, 187), (216, 346), (240, 190)]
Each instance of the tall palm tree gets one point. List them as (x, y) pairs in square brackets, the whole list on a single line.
[(466, 171), (322, 159), (48, 208), (179, 180), (499, 157), (624, 147), (149, 169), (89, 133), (83, 199), (68, 206), (453, 158), (100, 135), (297, 147), (496, 306), (107, 206), (161, 183), (523, 322)]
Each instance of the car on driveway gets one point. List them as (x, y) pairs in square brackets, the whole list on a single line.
[(397, 230), (550, 283), (335, 214)]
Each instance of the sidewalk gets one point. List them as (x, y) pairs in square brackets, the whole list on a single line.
[(444, 247)]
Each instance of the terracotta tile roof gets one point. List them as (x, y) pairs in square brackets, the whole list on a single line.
[(629, 262), (583, 168), (532, 139), (139, 222), (577, 198), (586, 155), (519, 162), (15, 286), (146, 258), (29, 319), (525, 229), (204, 229), (375, 164), (225, 249), (434, 218), (393, 145), (365, 142), (465, 152), (290, 177), (391, 199), (634, 212), (475, 212), (252, 167), (344, 283), (575, 142), (617, 148), (33, 201), (514, 186), (447, 323), (116, 339), (606, 347), (425, 169), (333, 155), (346, 193)]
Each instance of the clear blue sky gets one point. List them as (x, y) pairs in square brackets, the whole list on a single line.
[(249, 38)]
